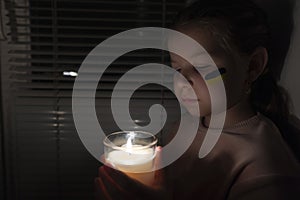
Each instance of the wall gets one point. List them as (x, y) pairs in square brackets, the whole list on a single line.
[(290, 75)]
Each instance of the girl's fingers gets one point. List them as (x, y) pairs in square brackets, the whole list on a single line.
[(120, 186), (101, 192), (117, 183), (112, 177), (122, 182), (159, 174), (103, 160), (157, 161)]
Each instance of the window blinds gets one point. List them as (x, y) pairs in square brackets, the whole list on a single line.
[(48, 38)]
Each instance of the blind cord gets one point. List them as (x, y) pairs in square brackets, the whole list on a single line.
[(2, 140), (2, 32)]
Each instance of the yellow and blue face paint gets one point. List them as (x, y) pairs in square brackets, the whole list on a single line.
[(215, 76)]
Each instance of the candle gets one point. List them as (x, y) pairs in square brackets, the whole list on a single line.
[(135, 157), (139, 160)]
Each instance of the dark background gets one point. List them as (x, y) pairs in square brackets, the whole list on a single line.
[(42, 156)]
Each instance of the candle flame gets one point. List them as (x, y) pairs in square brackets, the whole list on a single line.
[(129, 142)]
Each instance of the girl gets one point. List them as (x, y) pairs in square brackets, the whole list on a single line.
[(251, 159)]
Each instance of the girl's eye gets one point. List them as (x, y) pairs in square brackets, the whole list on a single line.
[(176, 72), (202, 68)]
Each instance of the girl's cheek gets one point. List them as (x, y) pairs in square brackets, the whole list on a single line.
[(179, 82), (176, 87), (200, 84)]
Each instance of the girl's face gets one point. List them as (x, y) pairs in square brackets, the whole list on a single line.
[(232, 67)]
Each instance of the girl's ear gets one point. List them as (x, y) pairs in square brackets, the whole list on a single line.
[(257, 64)]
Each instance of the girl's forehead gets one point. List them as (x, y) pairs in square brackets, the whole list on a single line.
[(195, 60), (201, 41), (200, 46)]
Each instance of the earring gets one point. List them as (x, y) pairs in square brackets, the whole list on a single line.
[(248, 91), (248, 87)]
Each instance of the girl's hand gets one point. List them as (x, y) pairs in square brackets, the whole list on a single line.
[(113, 184)]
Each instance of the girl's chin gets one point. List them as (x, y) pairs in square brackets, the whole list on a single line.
[(196, 113), (198, 109)]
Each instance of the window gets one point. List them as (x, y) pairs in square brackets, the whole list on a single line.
[(47, 38)]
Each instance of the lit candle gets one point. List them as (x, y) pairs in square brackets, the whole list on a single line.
[(135, 157)]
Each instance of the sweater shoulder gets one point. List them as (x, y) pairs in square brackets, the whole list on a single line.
[(271, 186)]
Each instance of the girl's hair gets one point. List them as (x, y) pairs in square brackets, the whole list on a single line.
[(241, 25)]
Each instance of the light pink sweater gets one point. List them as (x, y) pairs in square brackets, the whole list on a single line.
[(250, 161)]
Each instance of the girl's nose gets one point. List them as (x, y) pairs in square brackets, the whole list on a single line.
[(183, 80)]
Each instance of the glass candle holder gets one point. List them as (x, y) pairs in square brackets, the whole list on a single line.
[(132, 152)]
